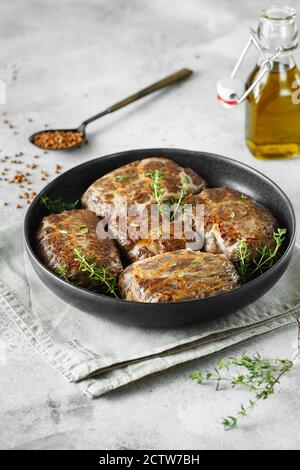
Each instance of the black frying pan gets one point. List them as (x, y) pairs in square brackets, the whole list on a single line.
[(218, 171)]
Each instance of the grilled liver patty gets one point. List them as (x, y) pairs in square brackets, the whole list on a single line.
[(176, 276), (60, 234), (134, 182), (230, 217)]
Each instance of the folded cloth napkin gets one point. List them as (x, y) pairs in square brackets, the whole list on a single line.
[(101, 355)]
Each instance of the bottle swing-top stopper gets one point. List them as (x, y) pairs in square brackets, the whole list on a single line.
[(231, 91)]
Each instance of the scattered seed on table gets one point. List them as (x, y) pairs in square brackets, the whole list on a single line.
[(57, 169)]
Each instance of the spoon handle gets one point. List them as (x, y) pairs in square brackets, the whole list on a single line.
[(169, 80)]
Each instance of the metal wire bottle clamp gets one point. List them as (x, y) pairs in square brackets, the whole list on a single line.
[(231, 91)]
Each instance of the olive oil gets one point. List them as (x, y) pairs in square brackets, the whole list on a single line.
[(273, 113), (273, 106)]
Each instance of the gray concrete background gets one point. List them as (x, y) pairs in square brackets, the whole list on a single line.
[(63, 61)]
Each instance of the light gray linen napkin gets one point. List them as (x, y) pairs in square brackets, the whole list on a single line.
[(101, 355)]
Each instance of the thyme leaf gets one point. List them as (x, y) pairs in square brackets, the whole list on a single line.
[(63, 232), (83, 229), (260, 377), (103, 275), (56, 206), (63, 272), (124, 177)]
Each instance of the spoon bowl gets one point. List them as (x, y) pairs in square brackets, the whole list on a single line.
[(34, 138)]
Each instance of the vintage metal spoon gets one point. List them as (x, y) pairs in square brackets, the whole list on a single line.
[(79, 133)]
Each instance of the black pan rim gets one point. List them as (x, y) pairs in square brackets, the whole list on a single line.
[(108, 299)]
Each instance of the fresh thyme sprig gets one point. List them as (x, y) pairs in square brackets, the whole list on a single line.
[(182, 192), (242, 254), (158, 191), (266, 257), (103, 275), (260, 378), (56, 206)]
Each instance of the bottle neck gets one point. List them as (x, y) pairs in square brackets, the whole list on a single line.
[(284, 62), (278, 28)]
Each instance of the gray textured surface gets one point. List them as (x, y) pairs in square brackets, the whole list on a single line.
[(73, 58)]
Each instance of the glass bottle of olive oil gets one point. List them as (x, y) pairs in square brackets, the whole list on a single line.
[(273, 107)]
